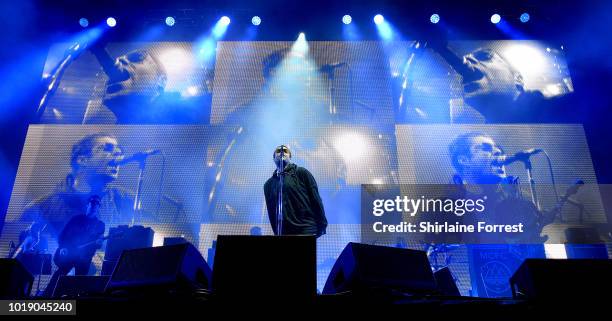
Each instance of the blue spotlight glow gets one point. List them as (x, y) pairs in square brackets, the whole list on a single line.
[(256, 20), (495, 18), (300, 46), (170, 21), (88, 36), (111, 22), (347, 19), (385, 30), (220, 27), (84, 22), (206, 50), (435, 18), (524, 17), (378, 19)]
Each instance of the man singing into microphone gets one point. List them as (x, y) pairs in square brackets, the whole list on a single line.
[(96, 160), (490, 84), (94, 169), (480, 164), (476, 157), (302, 208), (136, 93)]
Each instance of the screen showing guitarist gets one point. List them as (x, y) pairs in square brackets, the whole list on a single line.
[(78, 242)]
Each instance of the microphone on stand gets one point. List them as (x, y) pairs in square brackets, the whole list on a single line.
[(52, 82), (523, 156), (329, 68), (520, 156), (137, 157)]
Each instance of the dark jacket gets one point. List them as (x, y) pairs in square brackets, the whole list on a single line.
[(303, 211), (57, 208)]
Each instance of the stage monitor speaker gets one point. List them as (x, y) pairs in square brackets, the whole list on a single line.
[(36, 263), (15, 280), (80, 286), (446, 283), (166, 268), (571, 279), (361, 267), (264, 267)]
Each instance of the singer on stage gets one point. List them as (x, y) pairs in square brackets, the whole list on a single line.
[(302, 208)]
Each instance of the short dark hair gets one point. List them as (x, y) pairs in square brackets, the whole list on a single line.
[(84, 147), (461, 146), (278, 149)]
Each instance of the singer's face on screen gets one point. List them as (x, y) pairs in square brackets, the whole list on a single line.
[(493, 77), (98, 164), (482, 163), (143, 80)]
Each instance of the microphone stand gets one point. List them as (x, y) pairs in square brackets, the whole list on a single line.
[(332, 90), (532, 184), (280, 171), (330, 71), (56, 75), (138, 197)]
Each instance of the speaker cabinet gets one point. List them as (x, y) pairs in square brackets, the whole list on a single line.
[(572, 279), (364, 267), (15, 280), (173, 267), (79, 286), (260, 267)]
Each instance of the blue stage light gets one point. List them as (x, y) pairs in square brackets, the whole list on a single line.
[(220, 27), (170, 21), (435, 18), (495, 18), (300, 46), (256, 20), (347, 19), (84, 22), (111, 22), (378, 19), (525, 17)]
